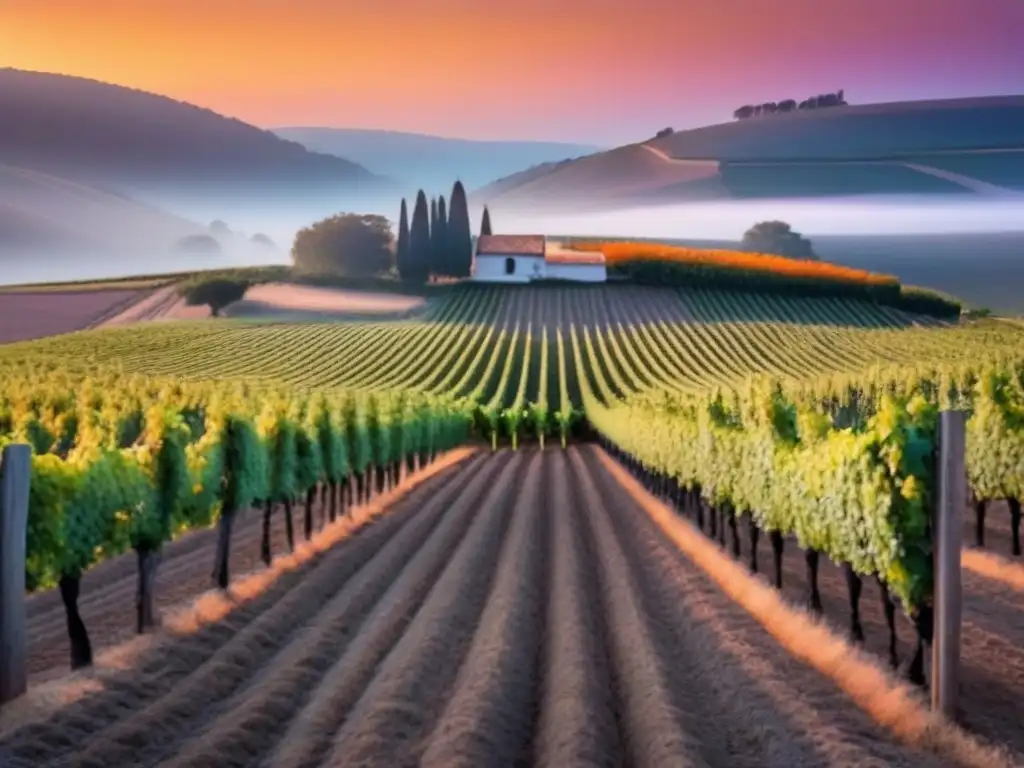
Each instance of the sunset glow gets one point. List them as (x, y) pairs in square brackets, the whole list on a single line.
[(585, 70)]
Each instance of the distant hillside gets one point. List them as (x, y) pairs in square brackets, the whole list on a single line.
[(958, 146), (144, 143), (41, 211), (54, 228), (432, 162)]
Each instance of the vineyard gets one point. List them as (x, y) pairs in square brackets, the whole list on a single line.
[(781, 421)]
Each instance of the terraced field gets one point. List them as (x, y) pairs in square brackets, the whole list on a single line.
[(477, 624)]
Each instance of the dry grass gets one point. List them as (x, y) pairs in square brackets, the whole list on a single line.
[(893, 704), (215, 605), (992, 566), (283, 296), (42, 701)]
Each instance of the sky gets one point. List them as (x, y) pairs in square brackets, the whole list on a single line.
[(604, 72)]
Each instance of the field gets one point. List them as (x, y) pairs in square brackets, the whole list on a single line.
[(35, 314), (29, 312), (518, 606), (475, 624), (479, 341)]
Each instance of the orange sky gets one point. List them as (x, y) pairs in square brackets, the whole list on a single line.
[(592, 70)]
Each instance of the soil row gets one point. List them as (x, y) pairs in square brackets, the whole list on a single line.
[(519, 610)]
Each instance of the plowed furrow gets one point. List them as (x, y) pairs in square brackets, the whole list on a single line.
[(577, 721), (403, 702), (107, 600), (654, 732), (490, 716), (309, 737), (230, 647), (754, 703), (991, 671), (276, 661)]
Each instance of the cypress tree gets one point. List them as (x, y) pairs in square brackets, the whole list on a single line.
[(432, 260), (419, 241), (485, 223), (439, 239), (460, 237), (402, 248)]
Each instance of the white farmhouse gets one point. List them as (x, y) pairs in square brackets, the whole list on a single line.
[(524, 258)]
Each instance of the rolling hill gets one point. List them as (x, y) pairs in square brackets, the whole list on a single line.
[(432, 162), (151, 145), (55, 228), (956, 146)]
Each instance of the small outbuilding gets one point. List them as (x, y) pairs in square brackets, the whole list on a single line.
[(525, 258)]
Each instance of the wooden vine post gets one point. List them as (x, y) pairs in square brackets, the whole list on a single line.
[(948, 534), (15, 468)]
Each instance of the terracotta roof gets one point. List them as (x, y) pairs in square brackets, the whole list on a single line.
[(558, 255), (510, 245)]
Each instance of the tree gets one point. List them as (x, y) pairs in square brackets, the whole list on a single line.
[(439, 240), (485, 223), (419, 242), (744, 112), (777, 237), (344, 244), (663, 133), (218, 227), (402, 248), (198, 244), (432, 256), (263, 241), (460, 236), (217, 293)]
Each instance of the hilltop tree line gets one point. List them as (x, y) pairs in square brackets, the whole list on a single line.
[(791, 105)]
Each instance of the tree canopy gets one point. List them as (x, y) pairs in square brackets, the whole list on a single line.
[(778, 238), (460, 236), (439, 240), (262, 240), (485, 223), (402, 247), (418, 267), (218, 227), (216, 293), (203, 244), (345, 244)]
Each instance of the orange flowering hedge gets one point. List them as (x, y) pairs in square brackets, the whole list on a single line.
[(618, 253), (653, 263)]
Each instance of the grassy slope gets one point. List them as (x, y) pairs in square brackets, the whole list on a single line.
[(933, 133)]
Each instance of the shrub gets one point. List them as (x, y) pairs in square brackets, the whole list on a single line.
[(924, 301), (652, 259), (216, 292)]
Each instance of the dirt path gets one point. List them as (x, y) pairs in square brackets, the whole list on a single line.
[(520, 610)]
